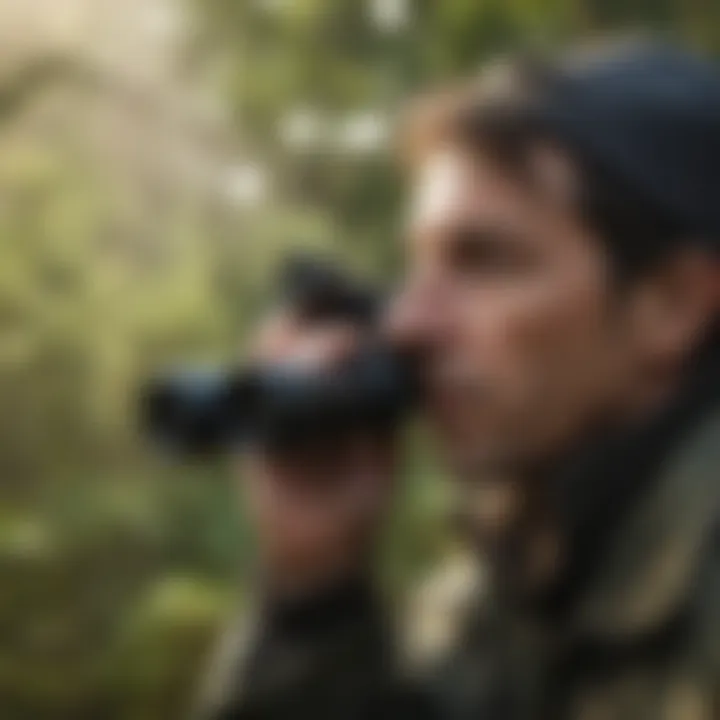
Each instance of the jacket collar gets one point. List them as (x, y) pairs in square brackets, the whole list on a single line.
[(639, 509), (655, 557)]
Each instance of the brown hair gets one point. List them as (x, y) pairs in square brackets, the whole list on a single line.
[(491, 113), (497, 115)]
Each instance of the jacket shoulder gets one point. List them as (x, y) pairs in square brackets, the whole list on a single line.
[(439, 610)]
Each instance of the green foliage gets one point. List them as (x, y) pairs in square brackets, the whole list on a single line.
[(116, 566)]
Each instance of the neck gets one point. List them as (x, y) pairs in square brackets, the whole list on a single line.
[(597, 489), (565, 513)]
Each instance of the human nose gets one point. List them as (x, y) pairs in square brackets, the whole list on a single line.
[(416, 315)]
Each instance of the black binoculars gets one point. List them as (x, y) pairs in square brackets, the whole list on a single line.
[(201, 411)]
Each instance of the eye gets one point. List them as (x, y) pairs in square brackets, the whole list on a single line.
[(485, 252)]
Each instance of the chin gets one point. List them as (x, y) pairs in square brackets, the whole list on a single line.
[(472, 466), (480, 463)]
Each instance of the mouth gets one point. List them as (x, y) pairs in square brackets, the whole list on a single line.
[(454, 407)]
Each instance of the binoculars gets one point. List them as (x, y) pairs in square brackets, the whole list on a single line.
[(206, 411)]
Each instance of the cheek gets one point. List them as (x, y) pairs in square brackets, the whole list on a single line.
[(530, 333)]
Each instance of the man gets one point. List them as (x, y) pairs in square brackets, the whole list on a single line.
[(562, 290)]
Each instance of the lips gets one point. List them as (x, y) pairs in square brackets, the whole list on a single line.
[(457, 406), (449, 407)]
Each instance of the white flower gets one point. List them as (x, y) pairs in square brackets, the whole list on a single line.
[(363, 132), (245, 184), (301, 129), (389, 15)]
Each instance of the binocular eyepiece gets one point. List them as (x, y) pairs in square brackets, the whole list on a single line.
[(202, 411)]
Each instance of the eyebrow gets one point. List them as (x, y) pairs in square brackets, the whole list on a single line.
[(467, 230), (491, 239), (483, 234)]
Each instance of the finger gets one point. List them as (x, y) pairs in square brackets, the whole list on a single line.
[(275, 336), (324, 346), (342, 484), (283, 339)]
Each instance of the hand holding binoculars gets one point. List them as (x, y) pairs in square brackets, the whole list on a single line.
[(204, 411)]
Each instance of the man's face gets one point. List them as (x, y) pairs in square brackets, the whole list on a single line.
[(507, 295)]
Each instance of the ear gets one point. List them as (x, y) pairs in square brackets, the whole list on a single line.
[(675, 306)]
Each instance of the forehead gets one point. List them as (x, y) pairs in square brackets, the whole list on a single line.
[(444, 186), (451, 186)]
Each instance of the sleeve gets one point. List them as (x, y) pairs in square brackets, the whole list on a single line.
[(327, 657)]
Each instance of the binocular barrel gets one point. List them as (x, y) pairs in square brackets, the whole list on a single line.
[(205, 411), (202, 412)]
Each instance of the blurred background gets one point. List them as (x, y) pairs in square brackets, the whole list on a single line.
[(157, 159)]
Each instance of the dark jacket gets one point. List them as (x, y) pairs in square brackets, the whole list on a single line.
[(632, 630)]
